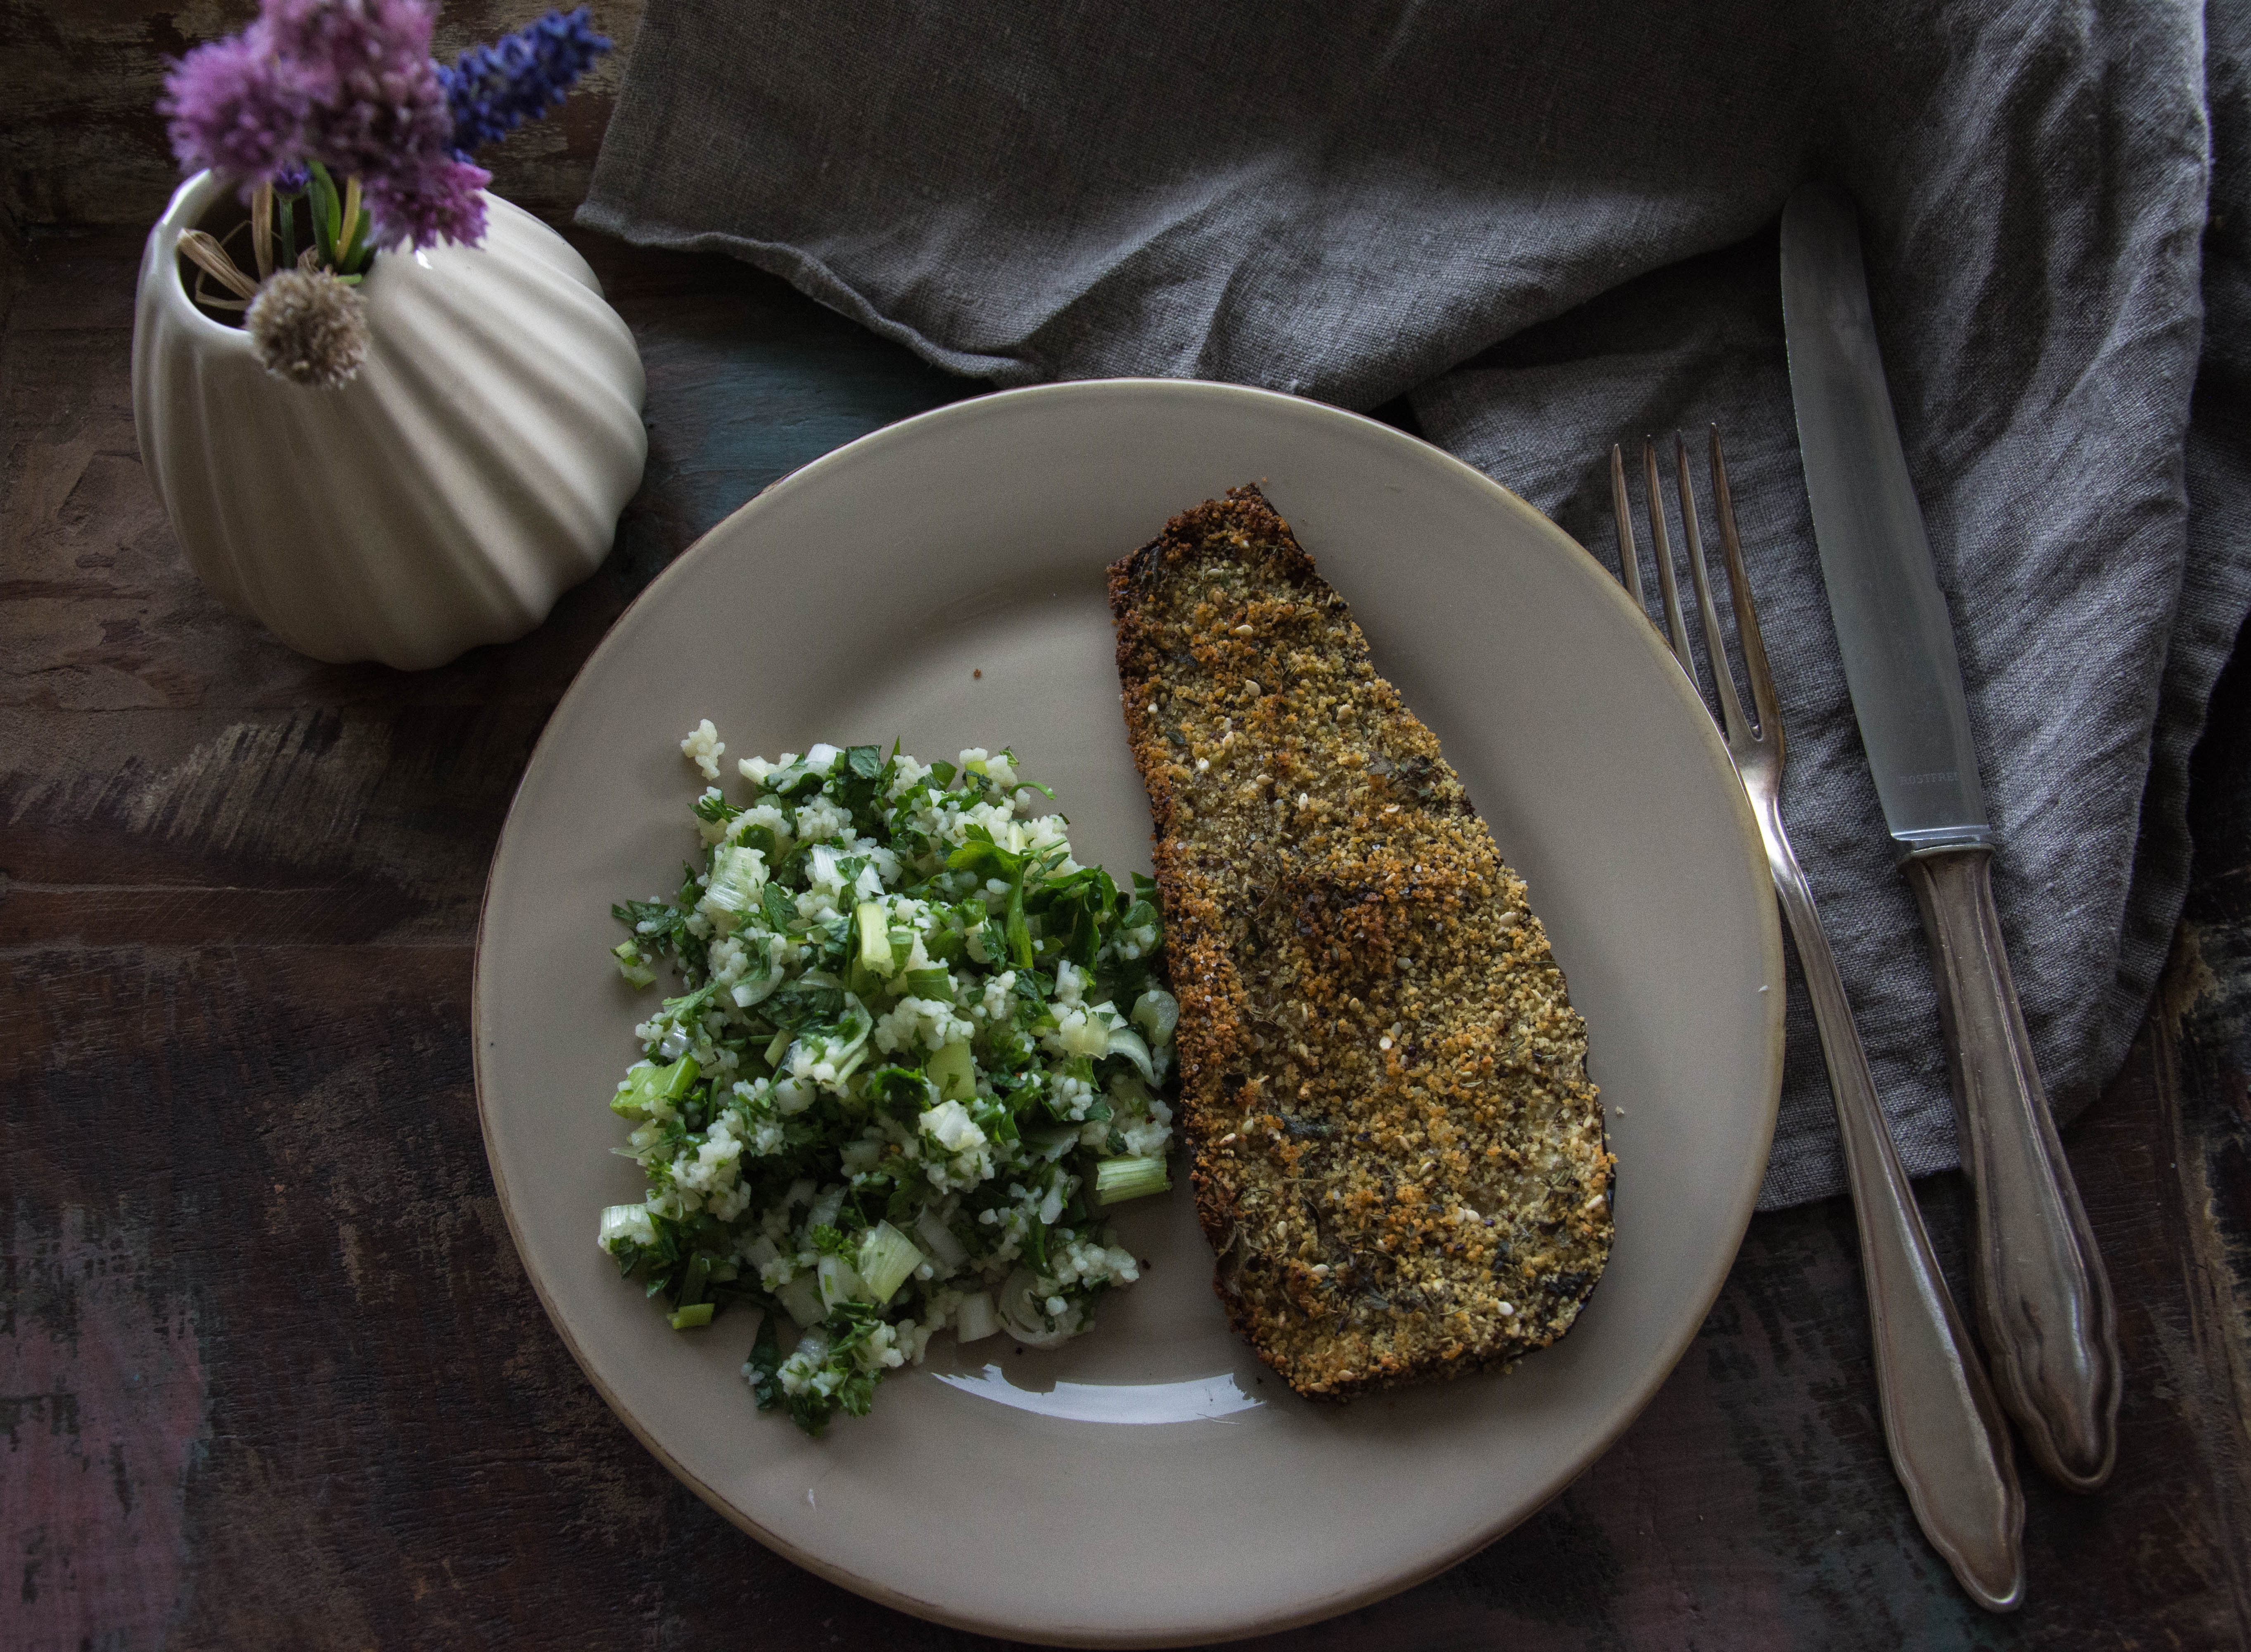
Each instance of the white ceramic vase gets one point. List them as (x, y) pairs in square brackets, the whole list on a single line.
[(471, 473)]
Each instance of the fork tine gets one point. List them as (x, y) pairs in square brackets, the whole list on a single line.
[(1629, 560), (1739, 588), (1714, 643), (1666, 585)]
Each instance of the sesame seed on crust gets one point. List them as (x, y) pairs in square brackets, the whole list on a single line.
[(1397, 1155)]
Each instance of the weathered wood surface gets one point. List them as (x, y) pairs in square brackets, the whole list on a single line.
[(270, 1373)]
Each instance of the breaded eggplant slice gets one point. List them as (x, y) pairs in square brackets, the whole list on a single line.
[(1398, 1154)]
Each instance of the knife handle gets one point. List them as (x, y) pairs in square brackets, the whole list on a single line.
[(1949, 1442), (2044, 1304)]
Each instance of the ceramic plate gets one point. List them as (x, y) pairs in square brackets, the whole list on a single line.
[(941, 582)]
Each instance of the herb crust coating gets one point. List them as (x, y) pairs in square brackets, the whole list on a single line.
[(1398, 1154)]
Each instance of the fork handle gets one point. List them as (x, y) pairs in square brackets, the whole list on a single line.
[(2044, 1304), (1949, 1442)]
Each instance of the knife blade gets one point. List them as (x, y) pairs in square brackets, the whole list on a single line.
[(2044, 1304), (1892, 623)]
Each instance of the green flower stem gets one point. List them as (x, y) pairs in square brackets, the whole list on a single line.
[(327, 214), (351, 228)]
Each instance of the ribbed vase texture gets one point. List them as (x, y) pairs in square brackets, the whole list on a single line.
[(469, 475)]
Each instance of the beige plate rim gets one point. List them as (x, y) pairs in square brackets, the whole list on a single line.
[(1695, 725)]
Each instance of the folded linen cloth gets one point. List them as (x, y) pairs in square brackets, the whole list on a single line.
[(1352, 200)]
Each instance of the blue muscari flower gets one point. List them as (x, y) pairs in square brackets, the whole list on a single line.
[(494, 89)]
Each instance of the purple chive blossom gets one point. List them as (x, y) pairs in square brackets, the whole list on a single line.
[(232, 107), (377, 103), (493, 89), (440, 202)]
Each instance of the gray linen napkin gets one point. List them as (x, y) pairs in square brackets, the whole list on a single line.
[(1352, 200)]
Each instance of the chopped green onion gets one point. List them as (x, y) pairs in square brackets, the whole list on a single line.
[(953, 1070), (875, 938), (800, 1300), (1117, 1180), (737, 881), (699, 1276), (1126, 1042), (1157, 1012), (647, 1088), (944, 1246), (1023, 1314), (886, 1258), (974, 1320), (627, 1223), (689, 1317), (841, 1282)]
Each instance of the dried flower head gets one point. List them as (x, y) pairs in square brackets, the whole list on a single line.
[(308, 327)]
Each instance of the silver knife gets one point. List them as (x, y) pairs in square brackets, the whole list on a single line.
[(2044, 1304)]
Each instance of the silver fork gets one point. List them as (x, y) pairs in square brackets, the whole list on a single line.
[(1949, 1440)]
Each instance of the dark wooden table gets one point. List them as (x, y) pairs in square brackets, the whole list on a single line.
[(270, 1373)]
